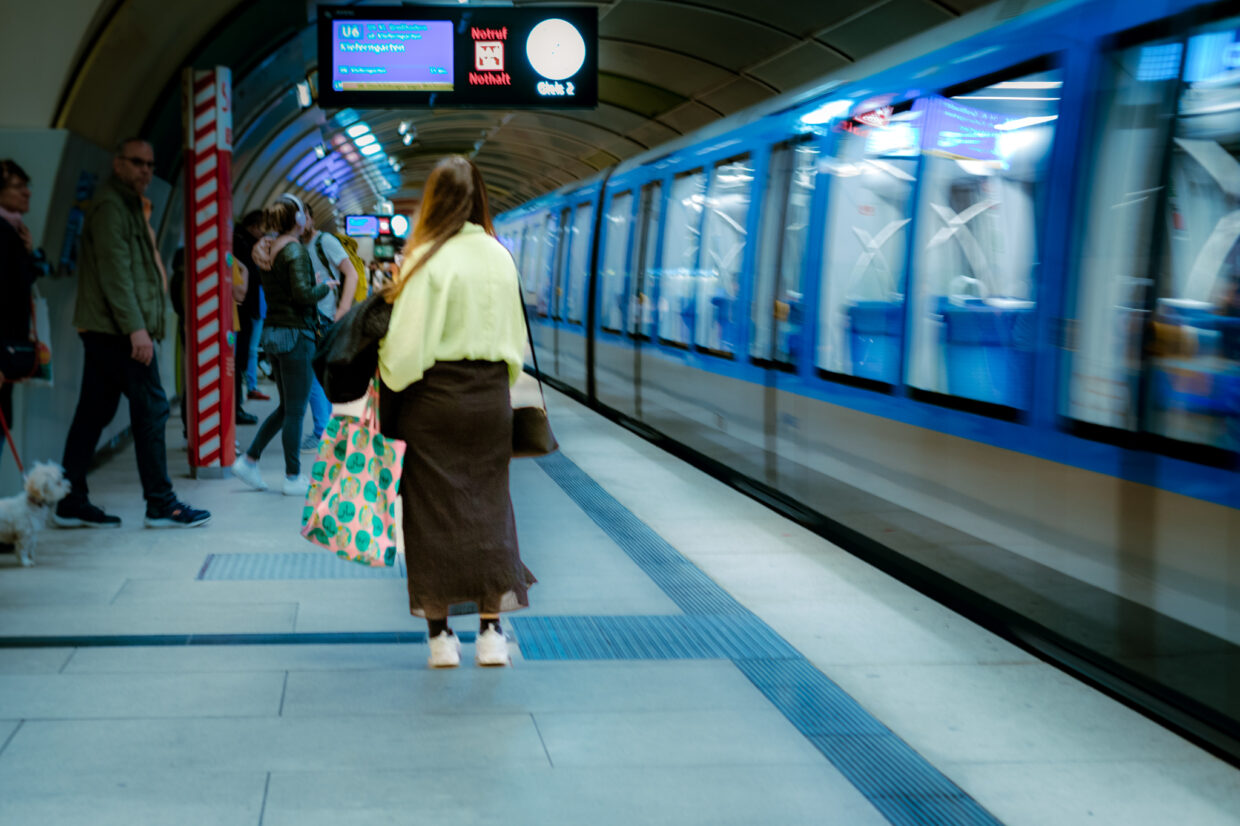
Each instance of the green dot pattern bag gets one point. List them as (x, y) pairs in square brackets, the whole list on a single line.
[(351, 504)]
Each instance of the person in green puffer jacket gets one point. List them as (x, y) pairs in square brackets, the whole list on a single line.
[(120, 315)]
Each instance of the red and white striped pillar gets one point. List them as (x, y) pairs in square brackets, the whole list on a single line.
[(207, 109)]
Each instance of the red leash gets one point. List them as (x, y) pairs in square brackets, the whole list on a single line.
[(12, 445)]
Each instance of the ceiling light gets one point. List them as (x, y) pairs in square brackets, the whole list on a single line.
[(407, 139), (364, 140), (404, 127), (997, 97), (357, 129), (304, 98), (371, 149), (827, 112), (1028, 84), (1021, 123), (320, 151)]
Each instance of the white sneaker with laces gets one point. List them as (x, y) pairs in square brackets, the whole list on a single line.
[(491, 649), (296, 486), (247, 471), (445, 651)]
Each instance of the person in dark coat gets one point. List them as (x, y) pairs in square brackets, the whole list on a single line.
[(288, 339), (17, 273)]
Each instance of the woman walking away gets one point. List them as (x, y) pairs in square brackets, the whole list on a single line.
[(454, 346), (288, 339)]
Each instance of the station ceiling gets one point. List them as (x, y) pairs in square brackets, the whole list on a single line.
[(666, 67)]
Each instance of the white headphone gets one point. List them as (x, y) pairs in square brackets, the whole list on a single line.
[(302, 217)]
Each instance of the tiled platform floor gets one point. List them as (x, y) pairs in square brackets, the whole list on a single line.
[(364, 733)]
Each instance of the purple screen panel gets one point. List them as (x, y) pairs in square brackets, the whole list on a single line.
[(392, 55)]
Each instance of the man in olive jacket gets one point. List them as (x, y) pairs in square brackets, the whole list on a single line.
[(120, 315)]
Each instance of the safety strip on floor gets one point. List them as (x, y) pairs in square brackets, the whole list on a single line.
[(308, 564), (898, 782)]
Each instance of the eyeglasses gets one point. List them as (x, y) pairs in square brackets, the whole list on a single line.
[(139, 162)]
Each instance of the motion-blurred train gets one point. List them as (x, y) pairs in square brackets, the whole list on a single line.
[(989, 277)]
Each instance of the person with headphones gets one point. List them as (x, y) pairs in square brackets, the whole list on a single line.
[(288, 339)]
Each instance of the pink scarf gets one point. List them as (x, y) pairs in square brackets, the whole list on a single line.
[(14, 218), (23, 232)]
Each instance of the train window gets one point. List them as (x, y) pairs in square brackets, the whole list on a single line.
[(724, 233), (560, 250), (861, 305), (614, 278), (542, 260), (645, 258), (777, 311), (575, 286), (1113, 276), (682, 237), (986, 157), (1194, 377)]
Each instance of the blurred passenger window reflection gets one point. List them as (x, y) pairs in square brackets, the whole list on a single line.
[(1114, 272), (614, 279), (645, 260), (1195, 377), (861, 309), (682, 239), (575, 289), (717, 281), (558, 258), (987, 152), (777, 310)]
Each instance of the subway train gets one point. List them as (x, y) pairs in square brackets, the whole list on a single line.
[(974, 301)]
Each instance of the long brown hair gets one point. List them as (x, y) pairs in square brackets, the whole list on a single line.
[(454, 193)]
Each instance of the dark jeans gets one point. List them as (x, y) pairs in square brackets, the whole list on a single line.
[(292, 372), (109, 372)]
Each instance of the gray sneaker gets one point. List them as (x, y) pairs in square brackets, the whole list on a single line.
[(310, 443)]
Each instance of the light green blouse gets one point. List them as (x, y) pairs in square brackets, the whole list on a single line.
[(465, 303)]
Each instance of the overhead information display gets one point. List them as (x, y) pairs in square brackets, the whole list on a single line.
[(495, 57)]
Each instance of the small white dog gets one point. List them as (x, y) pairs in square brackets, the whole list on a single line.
[(22, 515)]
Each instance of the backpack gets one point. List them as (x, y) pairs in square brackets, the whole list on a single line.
[(359, 266)]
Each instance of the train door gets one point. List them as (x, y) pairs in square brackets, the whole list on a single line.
[(641, 322), (778, 310), (613, 349)]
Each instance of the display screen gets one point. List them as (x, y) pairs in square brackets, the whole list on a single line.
[(955, 130), (501, 57), (366, 226), (392, 55)]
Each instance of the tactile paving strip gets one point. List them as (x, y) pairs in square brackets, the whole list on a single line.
[(898, 782), (322, 565)]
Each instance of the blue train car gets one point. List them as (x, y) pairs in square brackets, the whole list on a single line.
[(987, 281)]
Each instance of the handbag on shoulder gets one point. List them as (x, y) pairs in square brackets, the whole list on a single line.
[(531, 430)]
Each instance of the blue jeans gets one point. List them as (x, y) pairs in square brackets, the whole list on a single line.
[(251, 363), (320, 407)]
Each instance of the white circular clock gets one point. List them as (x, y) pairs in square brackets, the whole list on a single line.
[(556, 49)]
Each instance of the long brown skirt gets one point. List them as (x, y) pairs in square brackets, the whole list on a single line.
[(460, 535)]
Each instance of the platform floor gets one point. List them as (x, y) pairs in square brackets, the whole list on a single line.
[(689, 657)]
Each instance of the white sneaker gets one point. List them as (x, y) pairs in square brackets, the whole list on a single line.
[(296, 486), (247, 471), (491, 649), (445, 651)]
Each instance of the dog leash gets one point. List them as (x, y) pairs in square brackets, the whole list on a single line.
[(12, 444)]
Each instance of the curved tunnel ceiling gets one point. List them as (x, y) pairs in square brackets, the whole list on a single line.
[(666, 67)]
